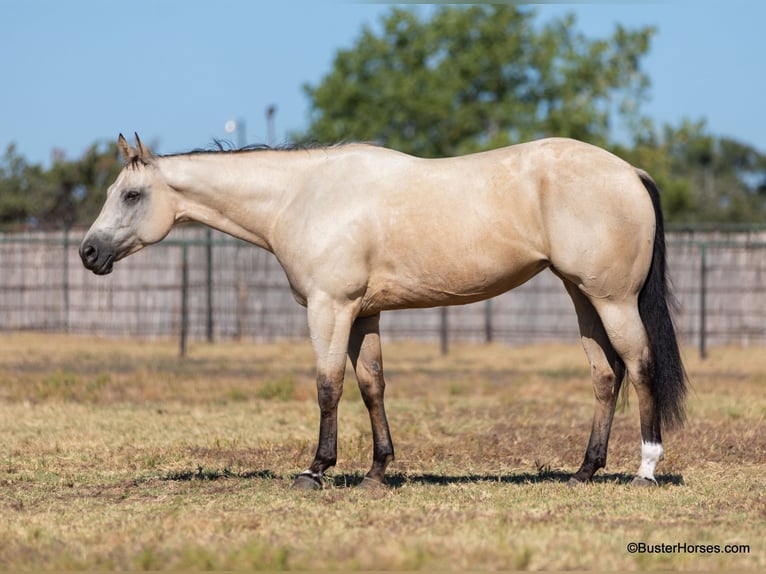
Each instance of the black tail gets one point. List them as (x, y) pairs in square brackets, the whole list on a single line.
[(655, 302)]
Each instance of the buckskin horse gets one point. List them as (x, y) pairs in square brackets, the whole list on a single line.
[(360, 229)]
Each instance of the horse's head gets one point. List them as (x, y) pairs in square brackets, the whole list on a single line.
[(138, 211)]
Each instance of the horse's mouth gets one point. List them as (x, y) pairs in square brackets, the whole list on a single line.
[(106, 267)]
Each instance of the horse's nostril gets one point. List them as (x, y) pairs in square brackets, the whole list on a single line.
[(88, 253)]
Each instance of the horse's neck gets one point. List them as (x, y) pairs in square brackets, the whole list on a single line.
[(238, 193)]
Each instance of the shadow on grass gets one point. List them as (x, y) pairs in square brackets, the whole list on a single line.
[(398, 480), (217, 474)]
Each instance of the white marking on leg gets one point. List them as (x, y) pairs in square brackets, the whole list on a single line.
[(651, 454)]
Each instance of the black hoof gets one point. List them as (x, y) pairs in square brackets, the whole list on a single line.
[(372, 484), (306, 482), (641, 481)]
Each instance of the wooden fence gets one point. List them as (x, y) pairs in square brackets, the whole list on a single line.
[(211, 287)]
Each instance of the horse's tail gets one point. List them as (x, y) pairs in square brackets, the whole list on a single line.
[(655, 302)]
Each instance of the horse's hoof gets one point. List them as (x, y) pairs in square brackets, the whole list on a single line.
[(576, 482), (641, 481), (372, 484), (306, 482)]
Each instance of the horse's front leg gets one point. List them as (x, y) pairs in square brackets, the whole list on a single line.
[(330, 324), (367, 359)]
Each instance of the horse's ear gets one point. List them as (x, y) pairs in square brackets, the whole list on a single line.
[(126, 151), (144, 153)]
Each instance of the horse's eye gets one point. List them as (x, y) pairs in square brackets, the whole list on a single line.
[(131, 196)]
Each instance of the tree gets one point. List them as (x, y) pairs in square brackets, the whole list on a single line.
[(69, 193), (704, 178), (82, 184), (24, 190), (477, 77)]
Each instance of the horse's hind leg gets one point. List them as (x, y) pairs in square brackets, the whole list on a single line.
[(628, 336), (366, 357), (607, 372)]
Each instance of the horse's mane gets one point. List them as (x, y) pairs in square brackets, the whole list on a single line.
[(227, 147)]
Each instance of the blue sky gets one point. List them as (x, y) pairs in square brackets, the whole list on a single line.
[(79, 71)]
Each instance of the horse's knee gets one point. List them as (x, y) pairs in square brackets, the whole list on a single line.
[(604, 383), (329, 391)]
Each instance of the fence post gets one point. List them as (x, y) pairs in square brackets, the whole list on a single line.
[(184, 300), (489, 334), (65, 286), (209, 281), (241, 309), (443, 330), (703, 300)]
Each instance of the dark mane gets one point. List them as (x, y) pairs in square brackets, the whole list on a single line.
[(227, 147)]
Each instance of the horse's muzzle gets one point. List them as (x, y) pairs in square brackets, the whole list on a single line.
[(97, 255)]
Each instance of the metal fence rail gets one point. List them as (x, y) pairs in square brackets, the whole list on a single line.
[(199, 285)]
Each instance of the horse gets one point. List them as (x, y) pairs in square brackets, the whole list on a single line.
[(360, 229)]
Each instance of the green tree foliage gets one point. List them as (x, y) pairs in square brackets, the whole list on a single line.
[(24, 189), (703, 178), (479, 77), (476, 77), (69, 193)]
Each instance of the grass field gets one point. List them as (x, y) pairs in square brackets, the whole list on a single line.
[(116, 455)]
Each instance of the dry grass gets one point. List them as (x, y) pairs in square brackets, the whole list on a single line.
[(116, 455)]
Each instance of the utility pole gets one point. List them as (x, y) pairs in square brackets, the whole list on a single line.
[(271, 111)]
